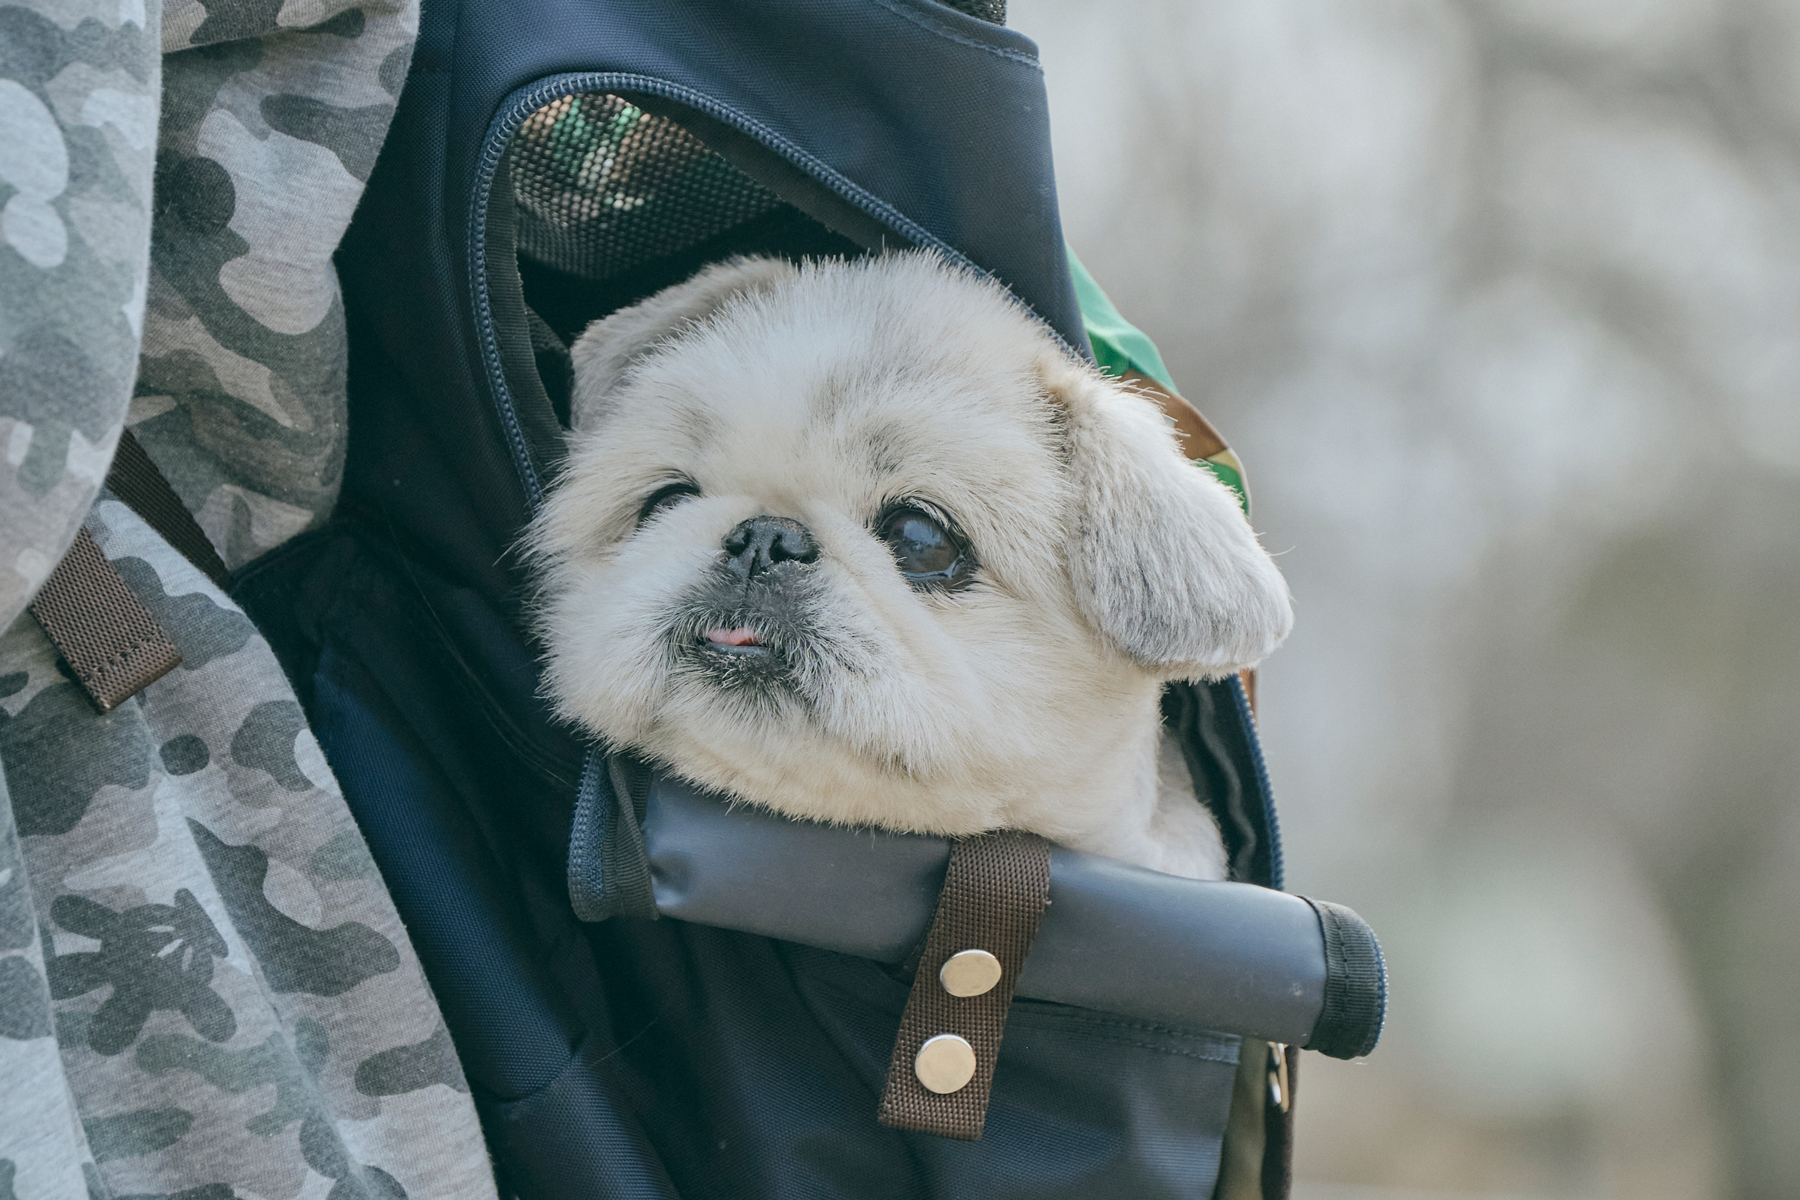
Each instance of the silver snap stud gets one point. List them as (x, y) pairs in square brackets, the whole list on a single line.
[(945, 1064), (969, 973)]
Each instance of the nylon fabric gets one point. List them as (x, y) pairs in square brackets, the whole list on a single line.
[(470, 826), (994, 896), (631, 1057), (111, 642), (606, 1058), (1226, 764), (137, 481), (609, 869)]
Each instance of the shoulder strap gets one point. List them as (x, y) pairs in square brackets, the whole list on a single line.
[(113, 645), (135, 480)]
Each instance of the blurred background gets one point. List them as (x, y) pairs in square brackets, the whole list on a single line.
[(1499, 300)]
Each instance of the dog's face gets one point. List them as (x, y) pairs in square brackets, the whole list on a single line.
[(858, 541)]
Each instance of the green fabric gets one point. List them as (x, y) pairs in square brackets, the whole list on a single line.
[(1232, 478), (1119, 346)]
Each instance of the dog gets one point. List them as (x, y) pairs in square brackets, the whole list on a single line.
[(861, 542)]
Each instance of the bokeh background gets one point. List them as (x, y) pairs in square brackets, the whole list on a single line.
[(1500, 302)]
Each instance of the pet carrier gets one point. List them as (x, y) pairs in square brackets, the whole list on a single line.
[(551, 161)]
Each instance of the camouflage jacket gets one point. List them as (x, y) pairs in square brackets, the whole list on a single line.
[(204, 989)]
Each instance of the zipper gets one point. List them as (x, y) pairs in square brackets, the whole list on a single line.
[(527, 100)]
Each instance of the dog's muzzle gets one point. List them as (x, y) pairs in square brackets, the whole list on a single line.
[(746, 625)]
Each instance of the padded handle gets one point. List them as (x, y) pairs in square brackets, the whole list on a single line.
[(1230, 957)]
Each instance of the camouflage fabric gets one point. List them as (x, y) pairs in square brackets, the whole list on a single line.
[(78, 104), (273, 111), (206, 991)]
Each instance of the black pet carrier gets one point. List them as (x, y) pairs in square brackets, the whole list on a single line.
[(551, 161)]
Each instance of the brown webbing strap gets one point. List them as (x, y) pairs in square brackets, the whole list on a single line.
[(993, 901), (136, 480), (1193, 431), (112, 643), (110, 640), (1278, 1144)]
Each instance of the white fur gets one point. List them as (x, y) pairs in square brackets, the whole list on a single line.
[(821, 393)]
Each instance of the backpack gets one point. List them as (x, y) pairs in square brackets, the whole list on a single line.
[(639, 1007), (549, 164)]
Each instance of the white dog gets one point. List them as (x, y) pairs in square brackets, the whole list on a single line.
[(860, 542)]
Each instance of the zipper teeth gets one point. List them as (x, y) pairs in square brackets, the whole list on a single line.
[(535, 96), (1253, 741), (499, 139)]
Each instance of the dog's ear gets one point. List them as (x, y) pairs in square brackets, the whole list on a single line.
[(1163, 561), (608, 348)]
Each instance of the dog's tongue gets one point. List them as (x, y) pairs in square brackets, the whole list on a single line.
[(743, 636)]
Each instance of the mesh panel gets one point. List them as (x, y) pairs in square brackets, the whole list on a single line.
[(602, 186)]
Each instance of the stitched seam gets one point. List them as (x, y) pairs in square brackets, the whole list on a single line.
[(1169, 1050), (945, 32), (1090, 1018), (1098, 1031), (114, 663), (107, 666)]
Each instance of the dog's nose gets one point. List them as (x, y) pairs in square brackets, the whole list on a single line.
[(761, 542)]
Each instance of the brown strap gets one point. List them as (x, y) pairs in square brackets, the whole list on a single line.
[(1196, 434), (144, 489), (110, 640), (994, 897), (1278, 1143)]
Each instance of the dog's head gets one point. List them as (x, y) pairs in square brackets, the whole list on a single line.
[(860, 541)]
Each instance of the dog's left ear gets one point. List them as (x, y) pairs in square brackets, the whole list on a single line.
[(610, 347), (1163, 561)]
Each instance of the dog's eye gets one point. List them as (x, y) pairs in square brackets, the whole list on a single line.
[(663, 499), (929, 555)]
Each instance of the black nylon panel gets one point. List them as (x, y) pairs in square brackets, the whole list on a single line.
[(636, 1058), (662, 1058)]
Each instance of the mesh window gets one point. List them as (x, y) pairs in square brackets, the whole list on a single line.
[(602, 186)]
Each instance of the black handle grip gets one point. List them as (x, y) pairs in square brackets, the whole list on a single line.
[(1229, 957), (1355, 1005)]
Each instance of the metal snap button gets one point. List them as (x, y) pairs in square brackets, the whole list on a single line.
[(945, 1063), (969, 973)]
